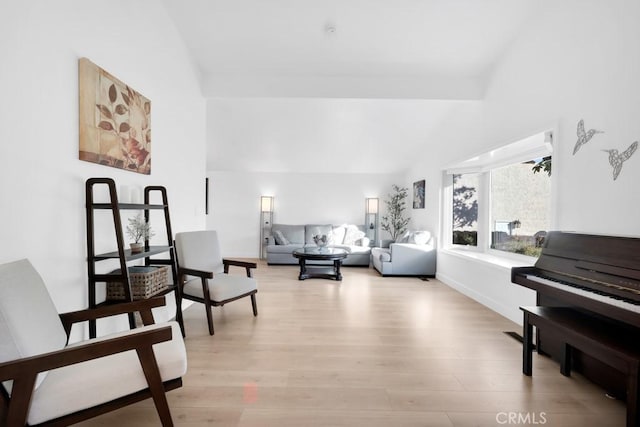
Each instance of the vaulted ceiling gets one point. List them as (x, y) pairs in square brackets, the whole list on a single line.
[(435, 50)]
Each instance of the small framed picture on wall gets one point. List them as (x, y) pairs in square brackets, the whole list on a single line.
[(418, 194)]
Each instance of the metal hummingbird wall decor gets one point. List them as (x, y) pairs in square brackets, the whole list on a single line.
[(584, 137), (616, 159)]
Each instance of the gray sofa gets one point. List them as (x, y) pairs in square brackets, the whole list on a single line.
[(414, 254), (286, 238)]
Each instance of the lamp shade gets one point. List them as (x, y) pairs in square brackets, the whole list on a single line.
[(266, 204), (372, 206)]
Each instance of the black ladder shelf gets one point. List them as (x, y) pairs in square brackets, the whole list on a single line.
[(122, 254)]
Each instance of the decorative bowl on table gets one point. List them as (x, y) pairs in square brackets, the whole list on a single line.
[(321, 241)]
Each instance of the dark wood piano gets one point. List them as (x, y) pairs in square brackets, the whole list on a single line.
[(598, 277)]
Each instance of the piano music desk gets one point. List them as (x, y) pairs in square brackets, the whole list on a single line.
[(594, 337)]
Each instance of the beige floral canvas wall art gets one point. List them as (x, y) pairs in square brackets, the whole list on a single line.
[(115, 121)]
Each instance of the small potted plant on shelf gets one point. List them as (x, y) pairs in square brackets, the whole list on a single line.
[(139, 230)]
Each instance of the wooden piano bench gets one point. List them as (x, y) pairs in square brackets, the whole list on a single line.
[(593, 337)]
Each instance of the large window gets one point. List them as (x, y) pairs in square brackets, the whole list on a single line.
[(502, 200), (465, 209), (520, 207)]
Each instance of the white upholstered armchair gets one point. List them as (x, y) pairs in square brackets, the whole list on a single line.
[(414, 254), (46, 381), (204, 274)]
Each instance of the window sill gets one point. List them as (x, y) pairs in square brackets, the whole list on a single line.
[(504, 262)]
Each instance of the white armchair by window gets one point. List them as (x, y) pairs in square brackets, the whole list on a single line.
[(413, 255)]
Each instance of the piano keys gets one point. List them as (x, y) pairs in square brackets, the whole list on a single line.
[(575, 292)]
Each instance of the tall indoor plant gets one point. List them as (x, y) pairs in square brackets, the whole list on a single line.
[(394, 221)]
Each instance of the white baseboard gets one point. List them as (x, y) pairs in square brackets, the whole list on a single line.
[(511, 313)]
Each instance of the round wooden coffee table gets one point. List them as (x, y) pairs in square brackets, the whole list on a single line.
[(320, 254)]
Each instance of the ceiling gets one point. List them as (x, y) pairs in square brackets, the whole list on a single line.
[(437, 50)]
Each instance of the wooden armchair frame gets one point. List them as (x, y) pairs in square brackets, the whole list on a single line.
[(204, 275), (24, 371)]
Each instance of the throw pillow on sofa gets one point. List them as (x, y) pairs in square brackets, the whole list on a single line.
[(416, 237), (405, 238), (420, 237), (280, 239), (336, 236), (352, 235)]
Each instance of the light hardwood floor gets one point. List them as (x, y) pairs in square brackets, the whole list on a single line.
[(367, 351)]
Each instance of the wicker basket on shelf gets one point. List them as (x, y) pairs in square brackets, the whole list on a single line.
[(145, 282)]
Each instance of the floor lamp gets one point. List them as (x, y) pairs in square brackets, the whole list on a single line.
[(371, 218), (266, 219)]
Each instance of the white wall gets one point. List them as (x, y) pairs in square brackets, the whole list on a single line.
[(457, 138), (575, 60), (320, 135), (299, 198), (42, 216), (557, 72)]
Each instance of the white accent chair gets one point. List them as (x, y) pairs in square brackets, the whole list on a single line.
[(204, 274), (46, 381), (413, 255)]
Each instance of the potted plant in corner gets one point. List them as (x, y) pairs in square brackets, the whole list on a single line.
[(394, 221), (138, 230)]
